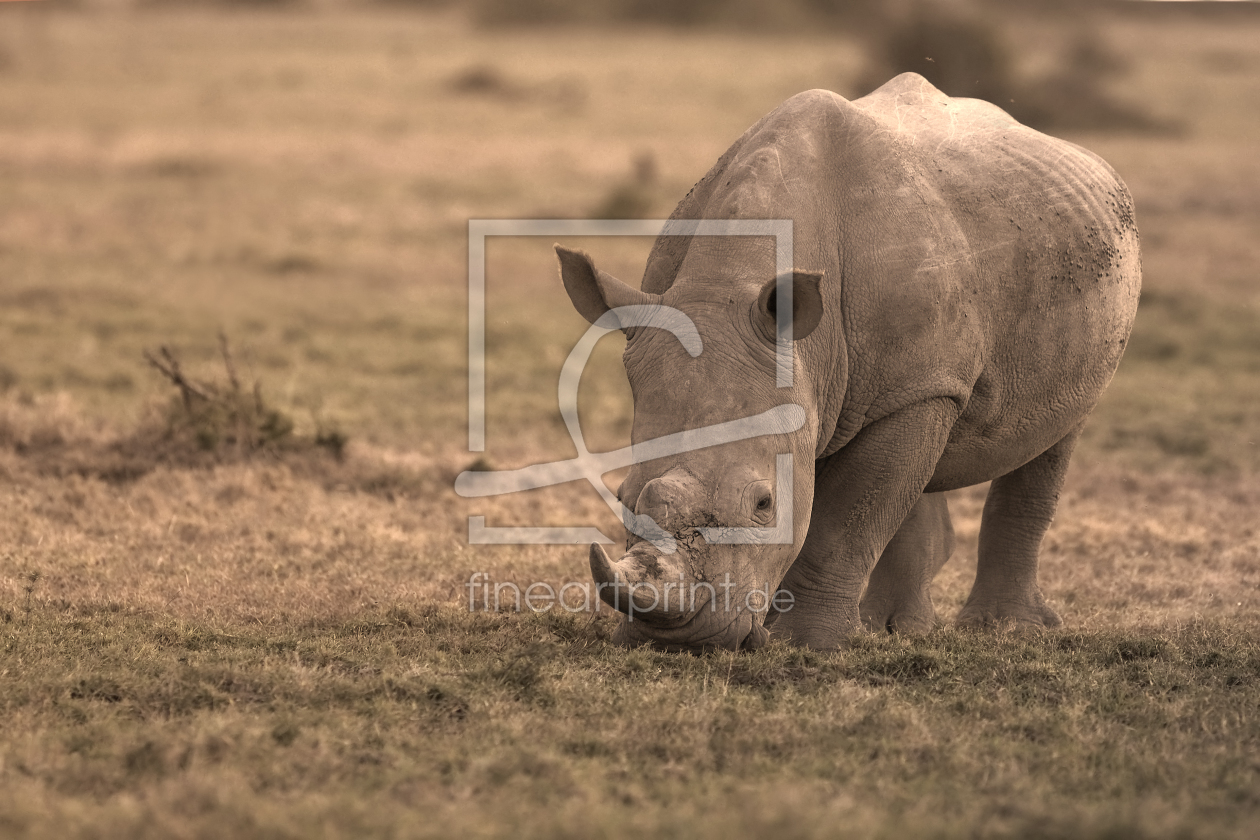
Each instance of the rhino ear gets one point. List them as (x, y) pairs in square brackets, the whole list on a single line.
[(592, 291), (807, 304)]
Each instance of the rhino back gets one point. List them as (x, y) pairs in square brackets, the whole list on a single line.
[(967, 256), (1048, 269)]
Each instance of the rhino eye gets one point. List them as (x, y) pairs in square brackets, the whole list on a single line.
[(760, 502)]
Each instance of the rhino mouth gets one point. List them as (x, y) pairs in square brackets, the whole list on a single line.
[(745, 632), (697, 619)]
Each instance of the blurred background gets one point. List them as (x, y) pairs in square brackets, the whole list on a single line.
[(300, 174)]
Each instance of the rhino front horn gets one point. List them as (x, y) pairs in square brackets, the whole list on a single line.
[(622, 585), (612, 592)]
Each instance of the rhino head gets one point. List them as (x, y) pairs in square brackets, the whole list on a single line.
[(712, 529)]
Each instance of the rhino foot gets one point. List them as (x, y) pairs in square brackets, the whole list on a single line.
[(898, 596), (1024, 613), (916, 617), (813, 629)]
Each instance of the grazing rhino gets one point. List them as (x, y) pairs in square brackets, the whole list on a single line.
[(968, 286)]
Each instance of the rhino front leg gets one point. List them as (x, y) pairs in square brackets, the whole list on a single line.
[(862, 495), (1017, 513), (898, 596)]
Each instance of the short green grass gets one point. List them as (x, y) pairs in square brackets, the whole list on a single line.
[(285, 649), (419, 720)]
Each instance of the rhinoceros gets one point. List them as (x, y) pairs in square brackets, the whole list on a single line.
[(963, 292)]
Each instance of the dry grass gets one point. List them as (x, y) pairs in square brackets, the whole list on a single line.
[(280, 646)]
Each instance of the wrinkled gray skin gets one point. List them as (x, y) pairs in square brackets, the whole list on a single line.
[(966, 288)]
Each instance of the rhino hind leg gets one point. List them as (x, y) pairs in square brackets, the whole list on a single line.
[(898, 594), (1017, 513)]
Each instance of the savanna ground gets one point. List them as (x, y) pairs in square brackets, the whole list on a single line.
[(219, 643)]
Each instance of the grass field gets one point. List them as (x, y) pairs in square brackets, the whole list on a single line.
[(281, 645)]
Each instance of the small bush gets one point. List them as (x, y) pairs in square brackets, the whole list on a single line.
[(211, 416), (206, 423)]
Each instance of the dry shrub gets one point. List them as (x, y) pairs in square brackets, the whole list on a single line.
[(210, 416), (206, 424)]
